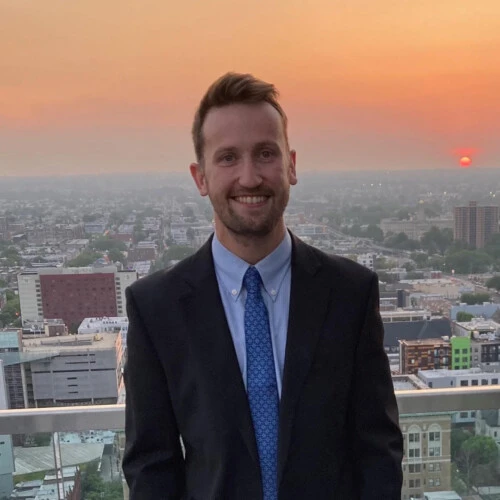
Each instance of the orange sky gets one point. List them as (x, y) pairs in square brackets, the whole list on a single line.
[(96, 86)]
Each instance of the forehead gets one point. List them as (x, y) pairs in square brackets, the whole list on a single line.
[(240, 124)]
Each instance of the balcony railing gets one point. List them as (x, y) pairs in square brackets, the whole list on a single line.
[(424, 408), (103, 417)]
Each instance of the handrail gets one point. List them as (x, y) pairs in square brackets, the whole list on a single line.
[(112, 417)]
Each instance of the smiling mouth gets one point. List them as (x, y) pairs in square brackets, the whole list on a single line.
[(251, 200)]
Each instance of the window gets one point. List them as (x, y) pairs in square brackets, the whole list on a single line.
[(464, 414), (434, 436), (457, 360), (465, 359), (484, 382), (464, 351), (494, 381), (414, 483), (464, 383), (475, 382), (414, 438), (414, 453), (434, 451), (437, 481), (414, 468)]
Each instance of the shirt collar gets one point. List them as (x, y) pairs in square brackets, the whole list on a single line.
[(231, 269)]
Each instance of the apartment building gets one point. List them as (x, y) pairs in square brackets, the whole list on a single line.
[(427, 454), (475, 224)]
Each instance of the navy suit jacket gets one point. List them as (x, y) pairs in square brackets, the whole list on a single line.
[(338, 420)]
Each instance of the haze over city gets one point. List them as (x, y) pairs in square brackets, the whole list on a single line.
[(101, 87)]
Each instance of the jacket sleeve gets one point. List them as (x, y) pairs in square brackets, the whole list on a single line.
[(378, 443), (153, 462)]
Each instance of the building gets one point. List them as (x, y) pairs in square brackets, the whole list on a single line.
[(477, 328), (414, 228), (75, 370), (404, 315), (6, 449), (10, 346), (103, 325), (72, 294), (367, 260), (427, 455), (414, 330), (3, 227), (445, 378), (475, 224), (485, 310), (461, 353), (428, 354), (445, 288)]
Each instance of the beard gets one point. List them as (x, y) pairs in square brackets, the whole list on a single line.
[(257, 226)]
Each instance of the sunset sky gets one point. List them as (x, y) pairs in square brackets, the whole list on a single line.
[(111, 86)]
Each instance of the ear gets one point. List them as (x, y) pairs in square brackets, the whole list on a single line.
[(198, 175), (292, 173)]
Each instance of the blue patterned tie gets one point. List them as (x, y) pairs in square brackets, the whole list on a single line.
[(261, 382)]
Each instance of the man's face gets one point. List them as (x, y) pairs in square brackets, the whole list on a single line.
[(247, 168)]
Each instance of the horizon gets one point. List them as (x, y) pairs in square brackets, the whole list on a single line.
[(102, 86)]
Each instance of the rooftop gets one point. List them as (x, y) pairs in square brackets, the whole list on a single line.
[(71, 342)]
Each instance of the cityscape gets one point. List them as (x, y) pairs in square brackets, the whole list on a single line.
[(70, 247), (389, 111)]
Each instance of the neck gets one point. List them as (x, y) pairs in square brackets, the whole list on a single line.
[(251, 249)]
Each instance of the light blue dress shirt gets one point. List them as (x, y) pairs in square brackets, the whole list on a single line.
[(275, 271)]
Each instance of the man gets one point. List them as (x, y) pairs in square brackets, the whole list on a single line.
[(263, 354)]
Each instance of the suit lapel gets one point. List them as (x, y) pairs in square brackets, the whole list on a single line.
[(309, 298), (211, 338)]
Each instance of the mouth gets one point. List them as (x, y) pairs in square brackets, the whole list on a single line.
[(251, 200)]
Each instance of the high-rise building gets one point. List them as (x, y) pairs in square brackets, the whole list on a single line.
[(475, 224), (72, 294)]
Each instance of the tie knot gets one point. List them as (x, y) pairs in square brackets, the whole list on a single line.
[(252, 280)]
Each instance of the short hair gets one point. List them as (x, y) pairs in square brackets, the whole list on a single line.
[(234, 88)]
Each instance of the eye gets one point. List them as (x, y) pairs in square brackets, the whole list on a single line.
[(227, 158), (267, 154)]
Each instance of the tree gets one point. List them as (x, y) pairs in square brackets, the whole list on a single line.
[(494, 283), (11, 311), (492, 247), (115, 255), (86, 258), (468, 262), (420, 259), (474, 298), (476, 451), (105, 243), (374, 232), (464, 317), (177, 253), (436, 240)]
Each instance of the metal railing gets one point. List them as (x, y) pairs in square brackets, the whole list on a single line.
[(112, 417)]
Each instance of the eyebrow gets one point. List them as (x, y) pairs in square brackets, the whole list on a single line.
[(258, 145)]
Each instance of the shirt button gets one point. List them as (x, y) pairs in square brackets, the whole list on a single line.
[(273, 292), (234, 292)]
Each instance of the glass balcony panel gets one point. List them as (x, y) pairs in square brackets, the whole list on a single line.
[(451, 442)]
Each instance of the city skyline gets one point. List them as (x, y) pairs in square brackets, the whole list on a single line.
[(104, 87)]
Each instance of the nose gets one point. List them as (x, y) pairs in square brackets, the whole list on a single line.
[(250, 176)]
